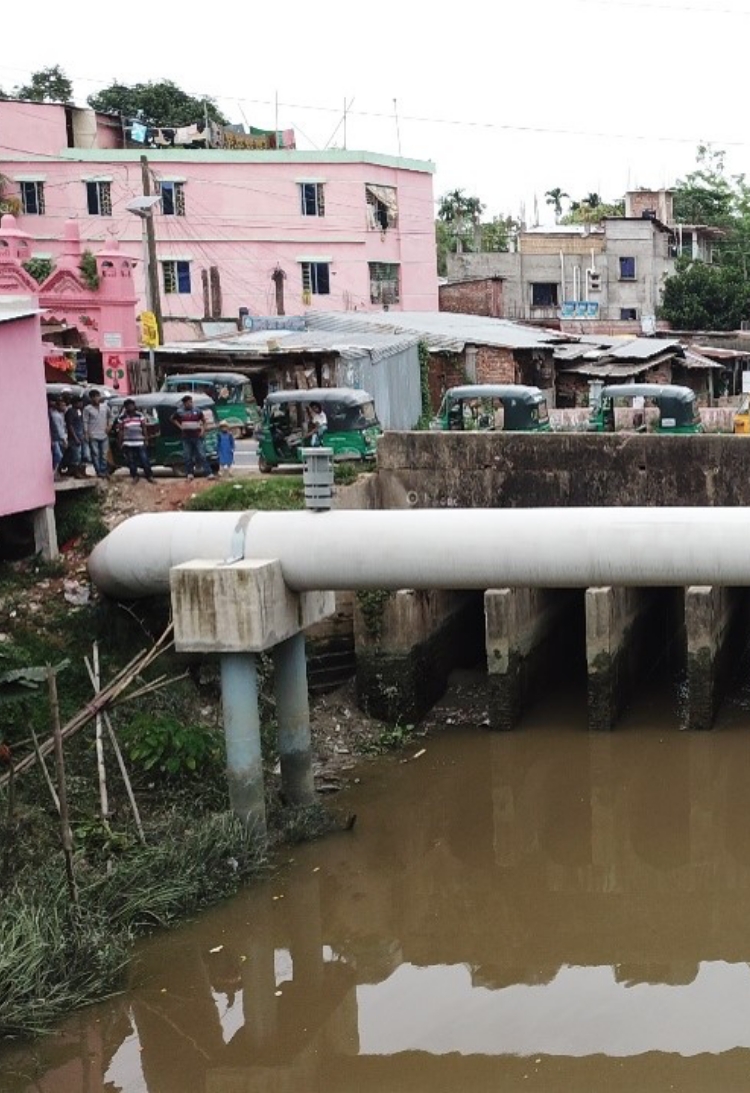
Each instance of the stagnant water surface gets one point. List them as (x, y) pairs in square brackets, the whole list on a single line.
[(542, 910)]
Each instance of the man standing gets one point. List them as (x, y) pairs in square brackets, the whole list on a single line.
[(74, 426), (58, 434), (97, 421), (189, 420), (131, 434)]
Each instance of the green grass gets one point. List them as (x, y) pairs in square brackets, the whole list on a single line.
[(54, 957), (284, 492)]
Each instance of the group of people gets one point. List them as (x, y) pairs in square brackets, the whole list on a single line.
[(80, 434)]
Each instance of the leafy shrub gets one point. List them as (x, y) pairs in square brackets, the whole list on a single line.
[(163, 745), (273, 493)]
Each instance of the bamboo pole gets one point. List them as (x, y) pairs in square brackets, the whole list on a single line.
[(100, 767), (66, 835), (120, 762), (109, 696), (43, 765)]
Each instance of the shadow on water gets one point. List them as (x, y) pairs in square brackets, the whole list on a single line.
[(546, 909)]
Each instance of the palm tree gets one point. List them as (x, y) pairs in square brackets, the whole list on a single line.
[(555, 198), (462, 213), (593, 200)]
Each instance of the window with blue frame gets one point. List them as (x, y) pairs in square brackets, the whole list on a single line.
[(176, 276), (172, 198), (627, 269)]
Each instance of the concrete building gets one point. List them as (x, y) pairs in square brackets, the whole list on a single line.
[(281, 229), (27, 490), (592, 278)]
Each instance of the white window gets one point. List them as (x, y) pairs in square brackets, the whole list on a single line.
[(32, 198), (316, 278), (312, 199), (176, 276), (99, 198), (382, 207), (384, 283), (172, 198)]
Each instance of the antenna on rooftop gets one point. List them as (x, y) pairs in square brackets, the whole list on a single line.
[(398, 128)]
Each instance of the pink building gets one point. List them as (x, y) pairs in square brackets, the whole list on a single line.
[(333, 231), (26, 484)]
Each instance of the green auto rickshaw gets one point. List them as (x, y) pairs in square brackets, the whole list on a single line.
[(490, 407), (164, 438), (677, 406), (351, 425), (231, 392)]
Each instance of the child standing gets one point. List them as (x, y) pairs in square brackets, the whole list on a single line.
[(225, 448)]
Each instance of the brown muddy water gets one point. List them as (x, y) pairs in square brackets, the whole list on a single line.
[(540, 910)]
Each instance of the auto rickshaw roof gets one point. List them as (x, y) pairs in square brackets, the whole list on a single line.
[(496, 390), (164, 398), (209, 377), (649, 390), (347, 396), (80, 390)]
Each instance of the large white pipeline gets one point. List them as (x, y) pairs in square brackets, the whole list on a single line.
[(438, 548)]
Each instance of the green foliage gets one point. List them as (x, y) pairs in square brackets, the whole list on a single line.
[(157, 103), (78, 515), (39, 268), (344, 474), (53, 958), (278, 493), (164, 746), (46, 85), (554, 197), (424, 386), (89, 271), (372, 603), (592, 210), (703, 297), (9, 203), (706, 195), (391, 738)]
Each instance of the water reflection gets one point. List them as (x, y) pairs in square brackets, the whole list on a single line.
[(546, 906)]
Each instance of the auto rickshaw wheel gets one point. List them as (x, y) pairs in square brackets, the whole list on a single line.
[(264, 466)]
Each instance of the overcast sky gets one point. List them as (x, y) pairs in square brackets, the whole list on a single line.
[(509, 99)]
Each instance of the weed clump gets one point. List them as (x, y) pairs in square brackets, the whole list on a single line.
[(275, 494)]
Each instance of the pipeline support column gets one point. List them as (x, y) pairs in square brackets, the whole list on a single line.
[(235, 610), (518, 622), (612, 617), (239, 696), (293, 717), (710, 615)]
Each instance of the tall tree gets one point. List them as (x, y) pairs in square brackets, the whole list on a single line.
[(157, 103), (592, 210), (462, 214), (706, 195), (703, 297), (46, 85), (554, 198)]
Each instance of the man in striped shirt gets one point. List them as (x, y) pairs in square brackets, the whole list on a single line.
[(189, 420), (131, 433)]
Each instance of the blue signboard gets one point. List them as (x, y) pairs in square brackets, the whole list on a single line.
[(579, 309)]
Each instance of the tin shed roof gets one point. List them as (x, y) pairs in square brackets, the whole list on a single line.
[(443, 331)]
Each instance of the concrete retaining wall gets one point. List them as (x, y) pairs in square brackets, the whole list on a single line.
[(526, 470)]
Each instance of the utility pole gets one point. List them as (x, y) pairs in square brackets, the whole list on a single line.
[(153, 297)]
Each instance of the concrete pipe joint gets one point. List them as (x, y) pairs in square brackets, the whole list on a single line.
[(437, 548)]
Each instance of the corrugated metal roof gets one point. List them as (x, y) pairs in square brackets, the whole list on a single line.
[(645, 348), (608, 370), (263, 343), (697, 360), (442, 330), (19, 311)]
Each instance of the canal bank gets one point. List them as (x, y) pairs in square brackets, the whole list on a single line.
[(551, 908)]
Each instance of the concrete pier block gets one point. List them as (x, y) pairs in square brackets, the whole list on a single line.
[(407, 642), (239, 695), (612, 618), (45, 533), (244, 606), (293, 717), (710, 614), (518, 622)]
